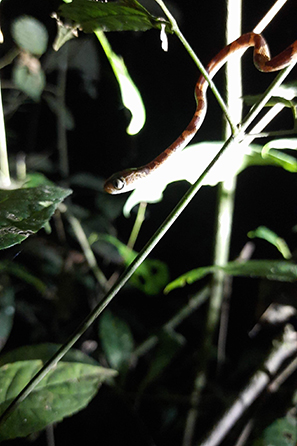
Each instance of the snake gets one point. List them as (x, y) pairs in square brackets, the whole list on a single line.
[(130, 179)]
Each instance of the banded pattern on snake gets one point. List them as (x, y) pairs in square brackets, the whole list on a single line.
[(129, 179)]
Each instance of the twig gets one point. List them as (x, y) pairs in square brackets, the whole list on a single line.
[(258, 383)]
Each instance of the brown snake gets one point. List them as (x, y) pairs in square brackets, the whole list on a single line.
[(129, 179)]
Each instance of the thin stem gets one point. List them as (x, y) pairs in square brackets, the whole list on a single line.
[(4, 166), (87, 250), (161, 231), (189, 49), (237, 137), (137, 225)]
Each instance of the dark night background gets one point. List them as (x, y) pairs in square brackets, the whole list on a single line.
[(100, 145)]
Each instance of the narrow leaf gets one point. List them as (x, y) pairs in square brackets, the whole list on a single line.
[(271, 237), (267, 269), (131, 97)]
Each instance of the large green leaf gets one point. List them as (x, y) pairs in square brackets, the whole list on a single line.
[(191, 162), (65, 390), (24, 211), (279, 270), (123, 15)]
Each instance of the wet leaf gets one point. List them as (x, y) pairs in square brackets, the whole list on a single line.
[(24, 211)]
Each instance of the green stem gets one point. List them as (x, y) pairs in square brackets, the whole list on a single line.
[(4, 166), (189, 49), (137, 225), (159, 234)]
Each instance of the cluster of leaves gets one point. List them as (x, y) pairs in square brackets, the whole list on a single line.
[(57, 271)]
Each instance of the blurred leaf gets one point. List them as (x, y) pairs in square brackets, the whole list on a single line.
[(169, 344), (283, 432), (122, 15), (131, 97), (116, 340), (67, 389), (285, 95), (61, 111), (30, 82), (30, 34), (44, 352), (22, 273), (24, 211), (150, 277), (267, 269), (7, 309), (271, 237)]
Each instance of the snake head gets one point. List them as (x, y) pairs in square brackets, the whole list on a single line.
[(120, 182)]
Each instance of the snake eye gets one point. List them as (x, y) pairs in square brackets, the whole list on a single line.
[(118, 183)]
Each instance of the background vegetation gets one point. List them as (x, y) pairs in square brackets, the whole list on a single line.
[(178, 374)]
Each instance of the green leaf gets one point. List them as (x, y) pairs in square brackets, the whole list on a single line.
[(169, 344), (190, 163), (7, 309), (123, 15), (22, 273), (24, 211), (271, 237), (67, 389), (44, 352), (283, 432), (116, 340), (30, 82), (278, 270), (131, 97), (150, 277), (30, 34)]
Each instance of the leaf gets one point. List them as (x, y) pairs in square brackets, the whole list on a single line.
[(169, 344), (282, 432), (122, 15), (188, 165), (131, 97), (30, 34), (24, 211), (116, 340), (67, 389), (271, 237), (22, 273), (150, 277), (191, 162), (44, 352), (7, 310), (278, 270), (30, 82)]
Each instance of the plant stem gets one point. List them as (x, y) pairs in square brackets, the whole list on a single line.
[(189, 49), (137, 225), (4, 166), (226, 191), (237, 137)]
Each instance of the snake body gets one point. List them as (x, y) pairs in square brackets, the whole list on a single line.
[(129, 179)]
